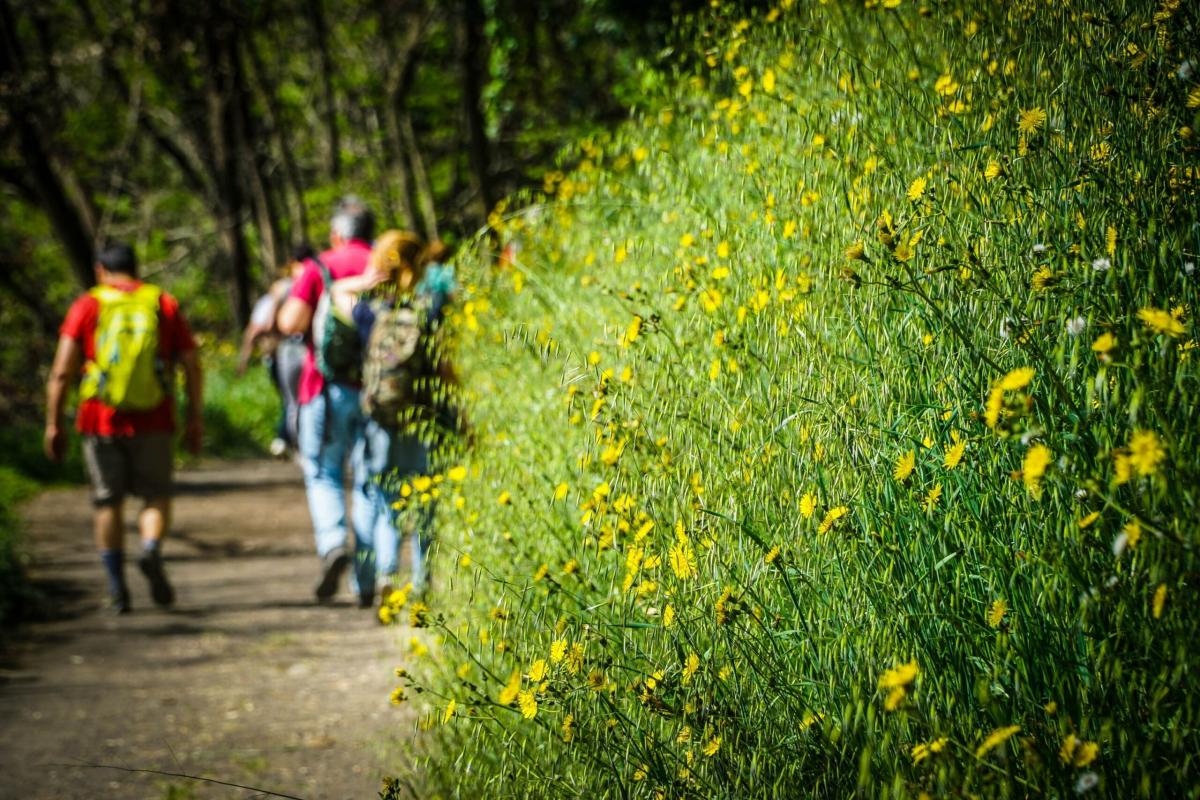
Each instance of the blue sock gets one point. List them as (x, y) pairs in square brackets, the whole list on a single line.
[(114, 565)]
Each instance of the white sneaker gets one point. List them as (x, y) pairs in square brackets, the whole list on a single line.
[(278, 448)]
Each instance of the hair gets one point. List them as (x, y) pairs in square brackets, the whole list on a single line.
[(303, 252), (396, 252), (438, 252), (353, 219), (118, 257)]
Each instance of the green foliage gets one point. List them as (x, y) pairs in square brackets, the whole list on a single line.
[(240, 413), (15, 593), (837, 426)]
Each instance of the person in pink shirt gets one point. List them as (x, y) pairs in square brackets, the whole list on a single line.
[(331, 422)]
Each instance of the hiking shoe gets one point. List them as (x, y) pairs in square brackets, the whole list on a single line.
[(118, 603), (278, 447), (160, 588), (332, 566)]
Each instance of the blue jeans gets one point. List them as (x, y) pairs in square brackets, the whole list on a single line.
[(331, 429), (388, 459)]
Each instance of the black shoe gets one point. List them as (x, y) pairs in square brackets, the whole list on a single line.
[(118, 603), (160, 589), (332, 566), (366, 601)]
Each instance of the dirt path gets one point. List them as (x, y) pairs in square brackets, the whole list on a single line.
[(245, 680)]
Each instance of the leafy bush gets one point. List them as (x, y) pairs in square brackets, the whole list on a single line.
[(837, 425)]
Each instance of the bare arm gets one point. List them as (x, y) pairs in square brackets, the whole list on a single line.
[(67, 360), (249, 339), (294, 317), (193, 380)]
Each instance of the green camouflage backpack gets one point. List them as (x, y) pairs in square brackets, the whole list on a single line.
[(336, 343), (126, 372), (397, 368)]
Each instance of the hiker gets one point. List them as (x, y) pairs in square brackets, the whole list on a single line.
[(393, 324), (437, 281), (126, 336), (330, 421), (283, 356)]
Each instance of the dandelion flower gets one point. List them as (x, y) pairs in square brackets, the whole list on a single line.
[(1037, 459), (833, 515), (457, 474), (558, 649), (924, 750), (1160, 321), (1030, 120), (855, 251), (900, 675), (917, 188), (509, 693), (1076, 326), (954, 454), (993, 170), (932, 497), (996, 613), (1017, 379), (1145, 452), (1104, 343), (568, 731), (1101, 264), (683, 559), (808, 504), (1160, 599), (1076, 752), (1087, 521), (713, 745), (528, 704), (537, 670), (668, 617), (690, 666), (449, 713), (996, 738), (904, 465)]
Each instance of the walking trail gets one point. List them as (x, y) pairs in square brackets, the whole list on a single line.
[(245, 680)]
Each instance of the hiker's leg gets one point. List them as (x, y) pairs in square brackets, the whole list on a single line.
[(154, 521), (411, 459), (109, 526), (322, 453), (108, 473), (369, 460), (151, 458), (289, 359)]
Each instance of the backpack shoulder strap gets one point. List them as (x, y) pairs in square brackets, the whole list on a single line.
[(326, 275)]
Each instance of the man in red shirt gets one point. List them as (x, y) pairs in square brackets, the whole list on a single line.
[(127, 449), (331, 422)]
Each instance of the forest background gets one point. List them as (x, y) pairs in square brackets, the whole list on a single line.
[(216, 136)]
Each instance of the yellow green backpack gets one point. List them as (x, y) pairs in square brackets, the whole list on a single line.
[(126, 373)]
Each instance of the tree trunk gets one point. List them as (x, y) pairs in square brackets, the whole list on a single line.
[(472, 48), (320, 30)]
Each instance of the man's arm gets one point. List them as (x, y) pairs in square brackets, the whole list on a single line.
[(193, 380), (295, 316), (67, 359)]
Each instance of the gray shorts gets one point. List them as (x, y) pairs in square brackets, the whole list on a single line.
[(140, 465)]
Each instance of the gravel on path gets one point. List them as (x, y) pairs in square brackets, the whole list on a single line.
[(246, 680)]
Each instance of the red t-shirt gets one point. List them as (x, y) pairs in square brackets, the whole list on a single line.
[(174, 337), (346, 261)]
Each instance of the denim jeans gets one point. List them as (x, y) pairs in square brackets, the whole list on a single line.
[(387, 460), (331, 429)]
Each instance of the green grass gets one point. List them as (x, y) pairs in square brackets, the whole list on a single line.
[(755, 511)]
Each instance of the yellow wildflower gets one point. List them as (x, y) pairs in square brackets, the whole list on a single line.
[(1160, 321), (993, 170), (690, 666), (996, 738), (1145, 452), (710, 299), (917, 188), (668, 617), (537, 670), (997, 612), (855, 251), (1017, 379), (528, 704), (1087, 521), (505, 498), (924, 750), (558, 649), (1037, 459), (713, 745), (1104, 343), (1030, 120), (900, 675), (509, 693), (568, 731), (954, 454), (932, 497), (808, 504), (1076, 752), (832, 516), (457, 474), (449, 713), (904, 465), (683, 559), (1160, 599)]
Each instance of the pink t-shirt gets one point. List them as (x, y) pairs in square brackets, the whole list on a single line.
[(346, 261)]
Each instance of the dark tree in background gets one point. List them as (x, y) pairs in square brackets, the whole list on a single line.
[(216, 135)]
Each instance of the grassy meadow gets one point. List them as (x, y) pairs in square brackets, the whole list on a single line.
[(836, 424)]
